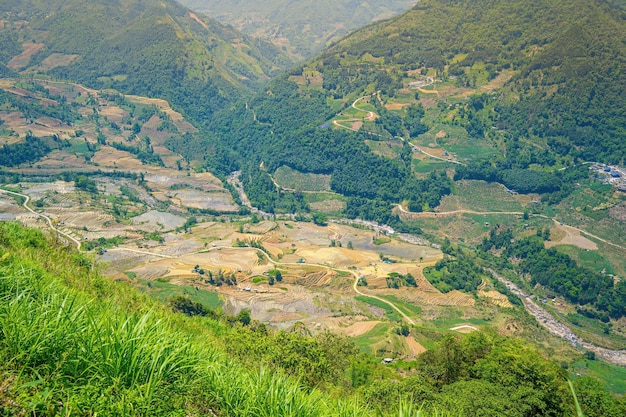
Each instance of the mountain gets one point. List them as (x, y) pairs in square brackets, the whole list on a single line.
[(147, 47), (300, 27), (568, 60), (553, 71)]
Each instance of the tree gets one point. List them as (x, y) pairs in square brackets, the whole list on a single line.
[(320, 219), (244, 317)]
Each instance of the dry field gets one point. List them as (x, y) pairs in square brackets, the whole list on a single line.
[(572, 237)]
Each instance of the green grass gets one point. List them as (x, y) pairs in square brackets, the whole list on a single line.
[(290, 178), (480, 196), (406, 307), (366, 341), (390, 313), (163, 291), (75, 343), (591, 259), (612, 376), (381, 240)]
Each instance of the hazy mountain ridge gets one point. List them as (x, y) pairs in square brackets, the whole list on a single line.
[(302, 27)]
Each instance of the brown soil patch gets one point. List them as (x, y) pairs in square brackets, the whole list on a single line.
[(20, 61), (440, 134), (574, 238), (360, 328), (357, 125), (511, 328), (56, 60), (163, 105), (197, 19), (113, 113), (497, 298), (396, 106), (415, 348), (618, 212), (499, 81)]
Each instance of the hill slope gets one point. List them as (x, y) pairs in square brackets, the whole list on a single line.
[(568, 57), (302, 27), (157, 49), (554, 69)]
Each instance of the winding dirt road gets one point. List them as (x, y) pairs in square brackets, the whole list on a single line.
[(48, 220)]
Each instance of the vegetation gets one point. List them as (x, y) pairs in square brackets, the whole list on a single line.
[(560, 273)]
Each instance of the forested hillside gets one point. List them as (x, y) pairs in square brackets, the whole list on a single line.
[(151, 48), (560, 99), (300, 27), (568, 56)]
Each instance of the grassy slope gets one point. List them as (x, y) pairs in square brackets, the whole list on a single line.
[(73, 342)]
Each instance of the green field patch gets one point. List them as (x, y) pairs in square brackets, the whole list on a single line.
[(448, 323), (406, 307), (480, 196), (382, 240), (390, 313), (427, 165), (591, 259), (164, 291), (612, 376), (389, 149), (375, 336), (331, 204), (292, 179)]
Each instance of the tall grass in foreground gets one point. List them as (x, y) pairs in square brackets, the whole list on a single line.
[(69, 353)]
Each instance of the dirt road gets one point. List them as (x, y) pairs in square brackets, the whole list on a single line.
[(48, 220)]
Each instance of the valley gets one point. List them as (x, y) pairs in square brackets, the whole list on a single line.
[(425, 218)]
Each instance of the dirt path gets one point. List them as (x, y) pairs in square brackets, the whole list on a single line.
[(48, 220), (560, 330), (572, 237), (561, 225)]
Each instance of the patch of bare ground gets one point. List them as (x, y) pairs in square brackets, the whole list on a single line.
[(176, 117), (360, 328), (55, 60), (496, 298), (60, 160), (414, 347), (511, 328), (396, 106), (618, 212), (572, 237), (20, 61), (113, 113)]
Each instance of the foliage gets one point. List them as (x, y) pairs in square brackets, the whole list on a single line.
[(31, 150), (458, 273), (561, 274)]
